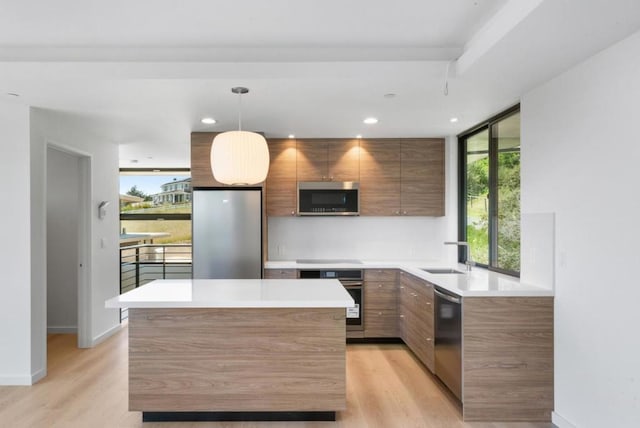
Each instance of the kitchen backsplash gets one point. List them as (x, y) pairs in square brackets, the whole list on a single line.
[(368, 238)]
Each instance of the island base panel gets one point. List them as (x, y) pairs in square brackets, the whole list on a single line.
[(237, 360)]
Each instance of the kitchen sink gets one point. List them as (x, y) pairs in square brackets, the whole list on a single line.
[(442, 270)]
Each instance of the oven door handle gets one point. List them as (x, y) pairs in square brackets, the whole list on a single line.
[(352, 283)]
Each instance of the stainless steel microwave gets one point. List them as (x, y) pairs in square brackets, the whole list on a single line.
[(328, 198)]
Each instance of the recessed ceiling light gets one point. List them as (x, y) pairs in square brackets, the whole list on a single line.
[(371, 120), (453, 120), (134, 160), (389, 95), (292, 136), (208, 120), (358, 136)]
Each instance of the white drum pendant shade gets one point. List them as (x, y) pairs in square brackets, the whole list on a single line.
[(239, 157)]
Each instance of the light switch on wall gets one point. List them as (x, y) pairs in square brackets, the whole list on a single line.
[(103, 243)]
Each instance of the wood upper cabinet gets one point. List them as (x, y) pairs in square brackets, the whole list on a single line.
[(281, 180), (422, 177), (328, 160), (343, 160), (402, 177), (380, 177), (201, 174)]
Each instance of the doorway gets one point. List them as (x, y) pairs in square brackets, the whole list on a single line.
[(68, 186)]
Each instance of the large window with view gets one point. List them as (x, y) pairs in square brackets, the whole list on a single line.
[(490, 192), (155, 226)]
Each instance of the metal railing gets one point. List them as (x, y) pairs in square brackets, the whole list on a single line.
[(140, 264)]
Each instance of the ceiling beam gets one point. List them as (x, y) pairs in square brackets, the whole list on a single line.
[(498, 27)]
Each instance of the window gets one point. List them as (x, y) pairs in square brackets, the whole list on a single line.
[(490, 192), (155, 204)]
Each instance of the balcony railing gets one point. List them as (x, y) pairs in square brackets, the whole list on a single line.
[(140, 264)]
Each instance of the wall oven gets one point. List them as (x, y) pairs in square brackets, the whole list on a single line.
[(352, 280), (328, 198)]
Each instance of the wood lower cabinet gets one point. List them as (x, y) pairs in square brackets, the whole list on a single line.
[(380, 303), (507, 358), (281, 186), (280, 274), (415, 315)]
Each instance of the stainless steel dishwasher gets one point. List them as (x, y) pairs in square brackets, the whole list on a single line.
[(448, 340)]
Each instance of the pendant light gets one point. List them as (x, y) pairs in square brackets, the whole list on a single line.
[(239, 157)]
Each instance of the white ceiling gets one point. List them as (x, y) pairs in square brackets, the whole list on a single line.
[(150, 69)]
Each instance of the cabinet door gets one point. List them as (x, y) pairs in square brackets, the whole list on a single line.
[(281, 180), (280, 274), (418, 318), (311, 160), (343, 158), (387, 275), (404, 305), (422, 177), (379, 177), (380, 309)]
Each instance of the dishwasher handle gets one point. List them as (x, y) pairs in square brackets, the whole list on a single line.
[(448, 297)]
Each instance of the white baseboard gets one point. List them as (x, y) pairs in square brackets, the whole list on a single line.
[(560, 422), (35, 377), (62, 330), (16, 380), (107, 334)]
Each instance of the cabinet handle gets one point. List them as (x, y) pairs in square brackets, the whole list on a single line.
[(331, 178), (401, 316), (379, 313), (404, 213), (397, 213), (428, 339), (428, 303), (379, 285), (293, 213), (414, 294)]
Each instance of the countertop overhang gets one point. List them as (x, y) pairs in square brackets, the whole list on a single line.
[(477, 283), (236, 293)]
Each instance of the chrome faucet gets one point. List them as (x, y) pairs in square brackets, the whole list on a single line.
[(468, 261)]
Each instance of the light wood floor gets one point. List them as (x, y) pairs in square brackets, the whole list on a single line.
[(386, 387)]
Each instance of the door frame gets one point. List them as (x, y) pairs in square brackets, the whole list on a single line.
[(84, 241)]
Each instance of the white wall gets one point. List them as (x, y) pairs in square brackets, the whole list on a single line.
[(580, 160), (93, 139), (371, 238), (15, 305), (63, 190)]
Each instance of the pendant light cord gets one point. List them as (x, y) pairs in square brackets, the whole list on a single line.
[(239, 111)]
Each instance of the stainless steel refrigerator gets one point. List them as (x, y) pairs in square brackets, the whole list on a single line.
[(227, 234)]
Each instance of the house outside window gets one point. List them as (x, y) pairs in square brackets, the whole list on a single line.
[(490, 192)]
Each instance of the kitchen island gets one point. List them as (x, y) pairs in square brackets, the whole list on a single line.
[(236, 349)]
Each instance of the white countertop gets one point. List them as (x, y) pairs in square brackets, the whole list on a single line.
[(236, 293), (478, 283)]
